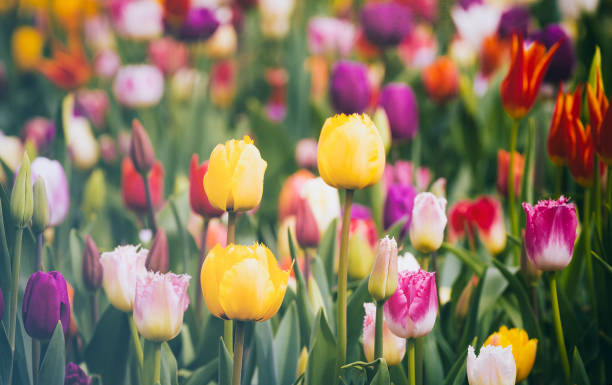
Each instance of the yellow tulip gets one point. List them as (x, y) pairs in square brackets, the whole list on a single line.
[(27, 48), (243, 282), (351, 152), (234, 180), (523, 348)]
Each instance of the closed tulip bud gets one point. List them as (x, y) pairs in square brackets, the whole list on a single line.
[(122, 267), (159, 304), (141, 149), (383, 278), (306, 228), (133, 189), (493, 366), (438, 188), (600, 116), (550, 233), (56, 187), (411, 311), (398, 205), (381, 121), (386, 24), (363, 239), (234, 180), (302, 361), (74, 375), (45, 302), (428, 222), (289, 197), (92, 268), (22, 205), (400, 104), (394, 347), (40, 216), (487, 216), (94, 195), (243, 282), (197, 196), (28, 46), (199, 24), (158, 259), (523, 348), (503, 164), (350, 89)]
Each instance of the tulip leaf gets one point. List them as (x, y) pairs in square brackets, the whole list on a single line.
[(466, 257), (381, 376), (52, 367), (213, 329), (398, 376), (23, 357), (471, 320), (287, 346), (396, 229), (603, 263), (169, 369), (303, 306), (264, 353), (318, 272), (321, 367), (327, 251), (355, 312), (457, 371), (76, 259), (225, 364), (204, 374), (579, 374), (5, 356), (434, 371)]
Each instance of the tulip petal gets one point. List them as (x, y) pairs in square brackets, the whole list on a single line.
[(213, 268), (247, 181), (217, 178)]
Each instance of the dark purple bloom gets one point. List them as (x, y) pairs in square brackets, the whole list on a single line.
[(45, 302), (360, 212), (199, 24), (386, 24), (400, 105), (74, 375), (466, 4), (398, 205), (514, 20), (563, 62), (350, 88)]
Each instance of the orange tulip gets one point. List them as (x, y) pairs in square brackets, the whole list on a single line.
[(69, 69), (522, 83), (581, 151), (441, 79), (561, 135), (601, 121)]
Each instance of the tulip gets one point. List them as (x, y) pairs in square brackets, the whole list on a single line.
[(351, 154), (402, 172), (199, 24), (94, 195), (122, 267), (21, 203), (394, 347), (99, 34), (386, 24), (565, 116), (441, 79), (503, 164), (275, 17), (27, 45), (133, 189), (138, 86), (223, 82), (600, 116), (306, 153), (289, 198), (381, 121), (92, 271), (40, 216), (56, 186), (328, 35), (411, 310), (185, 82), (45, 302), (601, 138), (487, 216), (69, 67), (438, 188), (514, 20), (527, 69), (550, 233), (476, 23), (572, 9), (141, 149), (460, 221), (243, 283), (564, 60), (383, 278), (400, 104), (323, 200), (157, 258), (581, 154), (175, 11), (493, 366), (419, 49), (139, 20), (523, 348), (350, 89), (223, 43), (234, 180), (306, 227), (40, 131), (398, 205), (74, 375), (159, 304), (428, 222), (362, 244), (168, 55), (92, 104), (197, 196), (106, 64)]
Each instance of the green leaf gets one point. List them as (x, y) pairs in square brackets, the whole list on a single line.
[(204, 374), (23, 354), (603, 263), (457, 371), (213, 329), (579, 374), (321, 367), (318, 273), (396, 229), (434, 371), (5, 356), (327, 251), (169, 369), (471, 320), (264, 351), (355, 312), (225, 364), (466, 257), (76, 259), (287, 346), (303, 306), (382, 374), (52, 367)]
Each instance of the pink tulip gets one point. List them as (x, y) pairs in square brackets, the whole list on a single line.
[(328, 35), (122, 268), (428, 222), (94, 105), (139, 86), (550, 233), (106, 64), (168, 55), (138, 20), (411, 310), (394, 347)]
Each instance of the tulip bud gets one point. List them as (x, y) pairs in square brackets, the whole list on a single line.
[(92, 268), (306, 228), (141, 149), (383, 278), (45, 302), (95, 193), (1, 304), (302, 361), (74, 375), (494, 365), (428, 222), (438, 188), (157, 259), (394, 347), (40, 216), (363, 238), (22, 206), (381, 121)]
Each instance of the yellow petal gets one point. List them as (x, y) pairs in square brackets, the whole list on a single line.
[(525, 362), (212, 269), (247, 180), (218, 178)]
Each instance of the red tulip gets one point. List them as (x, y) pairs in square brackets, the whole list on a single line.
[(197, 196), (441, 79), (561, 135), (581, 152), (132, 186), (503, 164), (601, 120), (487, 216)]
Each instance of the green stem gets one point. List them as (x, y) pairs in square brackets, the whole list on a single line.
[(228, 327), (6, 268), (14, 292), (40, 243), (597, 193), (511, 195), (150, 208), (238, 348), (35, 359), (231, 227), (559, 328), (136, 341), (419, 350), (559, 181), (586, 229), (411, 361), (199, 299), (378, 330), (157, 371), (342, 278)]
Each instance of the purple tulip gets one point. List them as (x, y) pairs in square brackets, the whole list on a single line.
[(386, 24), (200, 23), (350, 88), (360, 212), (400, 104), (74, 375), (56, 185), (40, 131), (563, 62), (398, 205), (514, 20), (466, 4), (44, 304), (550, 233)]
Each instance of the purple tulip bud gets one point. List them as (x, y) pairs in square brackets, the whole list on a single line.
[(200, 23), (466, 4), (74, 375), (398, 205), (550, 233), (92, 268), (514, 20), (400, 105), (158, 259), (564, 60), (1, 304), (141, 149), (350, 88), (45, 302), (386, 24)]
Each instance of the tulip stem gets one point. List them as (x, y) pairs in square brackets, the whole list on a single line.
[(14, 291), (231, 227), (202, 257), (40, 243), (306, 265), (238, 348), (35, 359), (228, 327), (150, 208), (597, 193), (342, 278), (511, 196), (586, 228), (7, 256), (94, 307), (157, 370), (136, 341), (378, 330), (411, 361), (559, 328)]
